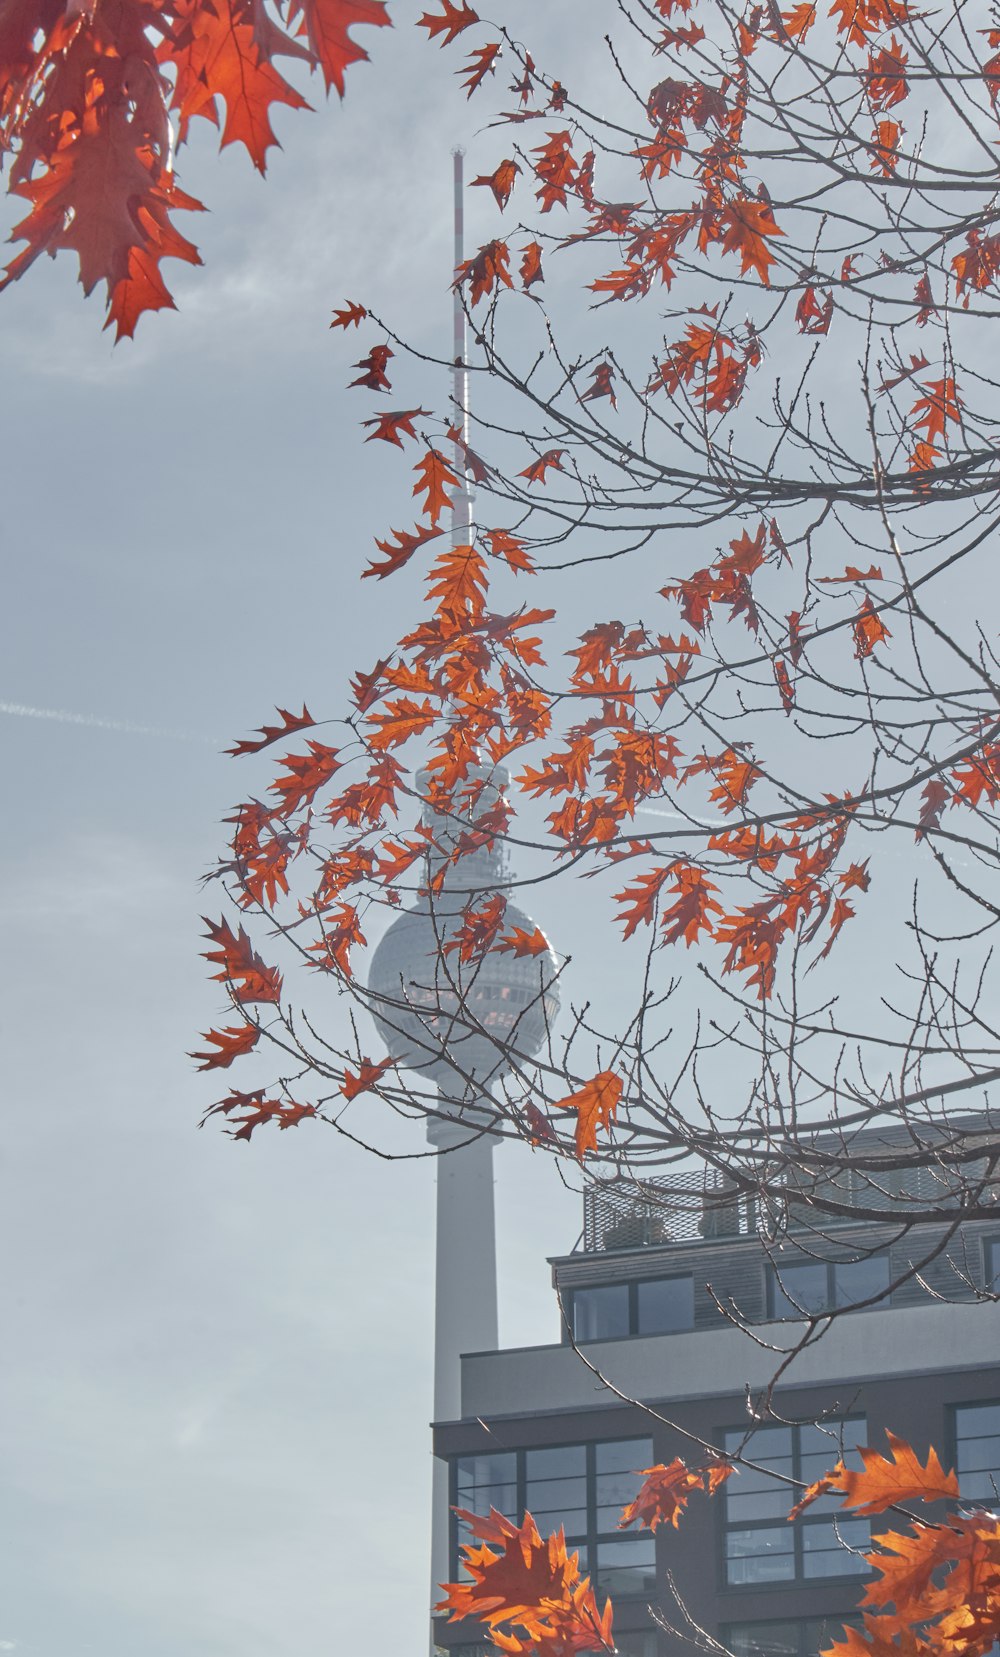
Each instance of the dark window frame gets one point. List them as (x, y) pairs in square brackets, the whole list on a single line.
[(801, 1628), (772, 1274), (991, 1261), (952, 1416), (632, 1286), (798, 1578), (591, 1540)]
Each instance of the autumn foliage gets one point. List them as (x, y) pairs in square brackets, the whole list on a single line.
[(934, 1589)]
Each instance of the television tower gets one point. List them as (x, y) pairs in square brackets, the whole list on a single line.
[(427, 1003)]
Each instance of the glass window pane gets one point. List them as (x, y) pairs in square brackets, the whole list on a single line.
[(627, 1566), (665, 1305), (555, 1488), (822, 1447), (764, 1639), (856, 1280), (802, 1638), (743, 1506), (974, 1420), (601, 1314), (826, 1544), (977, 1451), (991, 1261), (620, 1464), (623, 1455), (487, 1481), (801, 1286), (764, 1445), (573, 1520), (760, 1555), (563, 1461)]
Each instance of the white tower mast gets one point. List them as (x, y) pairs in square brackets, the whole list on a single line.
[(465, 1289), (417, 1001)]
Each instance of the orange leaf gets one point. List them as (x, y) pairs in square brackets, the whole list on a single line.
[(601, 385), (504, 545), (799, 20), (501, 181), (869, 630), (480, 64), (531, 264), (551, 460), (596, 1106), (940, 404), (450, 23), (351, 313), (434, 477), (306, 775), (373, 376), (401, 720), (368, 1076), (532, 1588), (217, 52), (246, 973), (898, 1477), (389, 426), (539, 1127), (885, 147), (665, 1494), (327, 23), (273, 733), (520, 943), (230, 1043), (258, 1111), (484, 270), (400, 550), (749, 224)]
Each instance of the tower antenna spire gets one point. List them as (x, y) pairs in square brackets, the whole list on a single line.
[(461, 506)]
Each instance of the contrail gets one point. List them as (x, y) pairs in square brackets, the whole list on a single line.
[(127, 727), (677, 816)]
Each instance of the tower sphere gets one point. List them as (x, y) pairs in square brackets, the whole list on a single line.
[(485, 1011)]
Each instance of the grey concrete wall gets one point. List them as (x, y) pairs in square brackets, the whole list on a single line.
[(906, 1340)]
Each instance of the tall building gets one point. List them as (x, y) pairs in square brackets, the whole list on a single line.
[(650, 1298)]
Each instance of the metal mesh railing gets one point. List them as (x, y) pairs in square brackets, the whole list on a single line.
[(627, 1213), (681, 1208)]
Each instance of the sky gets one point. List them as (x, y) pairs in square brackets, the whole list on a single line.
[(216, 1356)]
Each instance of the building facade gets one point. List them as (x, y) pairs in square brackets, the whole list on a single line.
[(686, 1312)]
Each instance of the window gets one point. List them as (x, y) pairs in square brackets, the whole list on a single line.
[(555, 1488), (664, 1305), (487, 1481), (760, 1545), (804, 1286), (977, 1452), (580, 1487), (801, 1638), (991, 1263), (601, 1314), (652, 1306)]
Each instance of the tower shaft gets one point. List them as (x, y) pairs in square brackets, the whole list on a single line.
[(465, 1284), (465, 1296)]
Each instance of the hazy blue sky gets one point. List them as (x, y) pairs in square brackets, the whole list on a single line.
[(216, 1357)]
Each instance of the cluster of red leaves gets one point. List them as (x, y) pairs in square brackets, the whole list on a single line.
[(667, 1490), (937, 1592), (527, 1590), (463, 682), (86, 99)]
